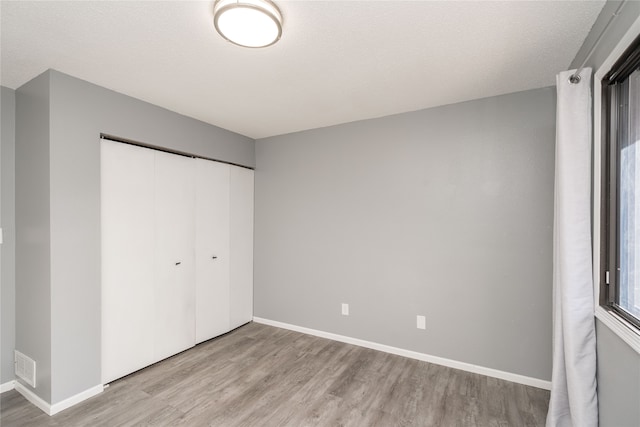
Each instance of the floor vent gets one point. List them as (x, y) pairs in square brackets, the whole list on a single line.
[(25, 368)]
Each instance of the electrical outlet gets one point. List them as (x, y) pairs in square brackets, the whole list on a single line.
[(345, 309), (421, 322)]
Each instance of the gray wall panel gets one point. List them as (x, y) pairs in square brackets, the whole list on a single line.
[(619, 27), (80, 111), (8, 221), (445, 212), (58, 190), (618, 380), (87, 109), (33, 229)]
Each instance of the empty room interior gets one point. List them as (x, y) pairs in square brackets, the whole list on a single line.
[(320, 213)]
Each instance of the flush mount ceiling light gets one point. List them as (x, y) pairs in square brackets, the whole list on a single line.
[(248, 23)]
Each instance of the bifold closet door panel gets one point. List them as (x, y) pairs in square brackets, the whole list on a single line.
[(212, 249), (128, 311), (174, 328), (241, 238)]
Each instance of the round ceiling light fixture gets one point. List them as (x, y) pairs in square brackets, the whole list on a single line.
[(248, 23)]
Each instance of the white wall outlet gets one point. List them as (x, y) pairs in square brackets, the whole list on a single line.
[(421, 322), (345, 309)]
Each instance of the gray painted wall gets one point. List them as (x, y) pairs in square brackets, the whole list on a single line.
[(618, 380), (79, 112), (33, 229), (445, 212), (618, 364), (8, 221)]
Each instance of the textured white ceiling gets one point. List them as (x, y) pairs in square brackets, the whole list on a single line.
[(337, 61)]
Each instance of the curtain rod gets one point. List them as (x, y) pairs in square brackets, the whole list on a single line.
[(575, 77), (167, 150)]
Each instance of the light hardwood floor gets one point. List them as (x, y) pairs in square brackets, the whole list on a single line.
[(259, 375)]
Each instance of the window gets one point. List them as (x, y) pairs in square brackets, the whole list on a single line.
[(620, 288)]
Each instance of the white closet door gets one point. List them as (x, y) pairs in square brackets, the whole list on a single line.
[(128, 311), (212, 249), (241, 229), (174, 328)]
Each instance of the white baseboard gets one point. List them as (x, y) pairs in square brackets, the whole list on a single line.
[(60, 406), (33, 398), (495, 373), (9, 385), (74, 400)]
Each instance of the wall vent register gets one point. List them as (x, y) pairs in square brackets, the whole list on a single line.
[(25, 368)]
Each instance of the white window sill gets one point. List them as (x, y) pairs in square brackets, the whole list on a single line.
[(620, 327)]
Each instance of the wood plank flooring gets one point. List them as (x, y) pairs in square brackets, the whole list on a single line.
[(259, 375)]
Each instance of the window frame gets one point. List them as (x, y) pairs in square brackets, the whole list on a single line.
[(614, 85), (621, 326)]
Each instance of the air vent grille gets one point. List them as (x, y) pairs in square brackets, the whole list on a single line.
[(25, 368)]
